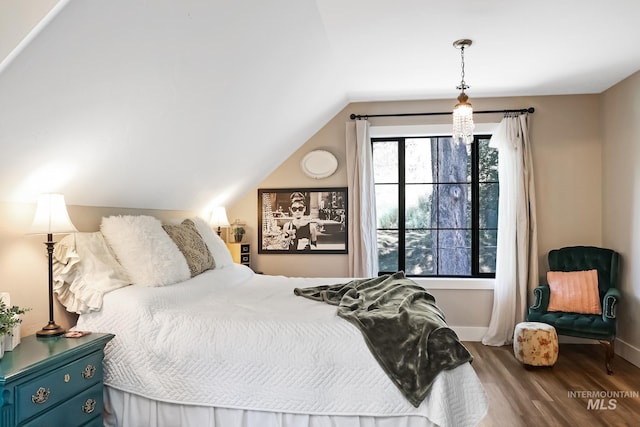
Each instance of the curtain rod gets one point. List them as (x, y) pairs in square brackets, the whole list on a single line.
[(529, 110)]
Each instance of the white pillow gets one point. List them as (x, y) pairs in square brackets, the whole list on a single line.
[(145, 250), (84, 269), (216, 245)]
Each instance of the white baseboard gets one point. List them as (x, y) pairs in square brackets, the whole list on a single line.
[(470, 333), (622, 348), (627, 352)]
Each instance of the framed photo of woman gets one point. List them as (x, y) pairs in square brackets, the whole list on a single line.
[(302, 221)]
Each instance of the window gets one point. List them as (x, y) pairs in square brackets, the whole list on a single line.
[(436, 206)]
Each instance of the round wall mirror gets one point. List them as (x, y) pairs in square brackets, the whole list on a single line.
[(319, 164)]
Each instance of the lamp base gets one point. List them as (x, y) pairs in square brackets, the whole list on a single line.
[(51, 330)]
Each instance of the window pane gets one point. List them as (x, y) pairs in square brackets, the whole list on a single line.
[(454, 161), (385, 161), (419, 259), (388, 250), (454, 252), (387, 206), (418, 202), (441, 216), (487, 161), (418, 166), (488, 242), (454, 205), (488, 204)]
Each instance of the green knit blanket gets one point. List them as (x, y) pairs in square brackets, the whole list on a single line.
[(402, 325)]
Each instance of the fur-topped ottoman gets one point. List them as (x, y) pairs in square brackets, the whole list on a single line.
[(535, 344)]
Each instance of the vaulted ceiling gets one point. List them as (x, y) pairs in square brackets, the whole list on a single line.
[(173, 104)]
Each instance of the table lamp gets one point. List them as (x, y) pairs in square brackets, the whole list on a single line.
[(51, 218), (219, 218)]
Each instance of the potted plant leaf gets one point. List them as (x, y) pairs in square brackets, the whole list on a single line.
[(237, 228), (9, 319)]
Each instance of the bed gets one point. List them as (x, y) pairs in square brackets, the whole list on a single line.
[(229, 347)]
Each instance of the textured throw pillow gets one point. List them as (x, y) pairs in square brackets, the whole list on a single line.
[(216, 245), (145, 250), (574, 291), (192, 246), (84, 269)]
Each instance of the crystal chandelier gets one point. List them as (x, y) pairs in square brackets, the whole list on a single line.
[(462, 112)]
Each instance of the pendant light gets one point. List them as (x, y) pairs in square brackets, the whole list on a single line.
[(463, 111)]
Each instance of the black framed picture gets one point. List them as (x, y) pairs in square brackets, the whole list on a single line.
[(302, 221)]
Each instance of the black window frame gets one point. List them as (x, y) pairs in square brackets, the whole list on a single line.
[(475, 205)]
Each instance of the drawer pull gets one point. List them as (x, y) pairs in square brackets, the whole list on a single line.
[(67, 378), (89, 406), (88, 372), (41, 395)]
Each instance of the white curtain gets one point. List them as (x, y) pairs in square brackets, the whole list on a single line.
[(362, 241), (517, 249)]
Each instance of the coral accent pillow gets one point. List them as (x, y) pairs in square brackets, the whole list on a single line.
[(574, 291)]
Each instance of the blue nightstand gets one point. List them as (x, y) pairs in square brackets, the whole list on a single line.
[(53, 382)]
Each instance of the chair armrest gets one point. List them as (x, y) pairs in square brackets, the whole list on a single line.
[(541, 294), (609, 303)]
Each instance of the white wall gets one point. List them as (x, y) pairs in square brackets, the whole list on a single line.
[(17, 19), (153, 103), (567, 147), (621, 202), (567, 156)]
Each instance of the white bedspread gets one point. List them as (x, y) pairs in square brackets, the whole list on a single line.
[(234, 339)]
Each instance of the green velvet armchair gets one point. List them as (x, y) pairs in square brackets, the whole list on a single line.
[(590, 326)]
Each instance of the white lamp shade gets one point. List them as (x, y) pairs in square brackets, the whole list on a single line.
[(219, 217), (51, 216)]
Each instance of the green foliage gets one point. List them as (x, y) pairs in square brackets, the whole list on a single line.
[(9, 317), (389, 219), (238, 233)]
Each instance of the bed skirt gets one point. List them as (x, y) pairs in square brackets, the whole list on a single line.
[(129, 410)]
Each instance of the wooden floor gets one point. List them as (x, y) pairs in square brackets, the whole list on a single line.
[(542, 396)]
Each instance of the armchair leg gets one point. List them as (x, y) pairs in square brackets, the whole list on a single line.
[(609, 354)]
